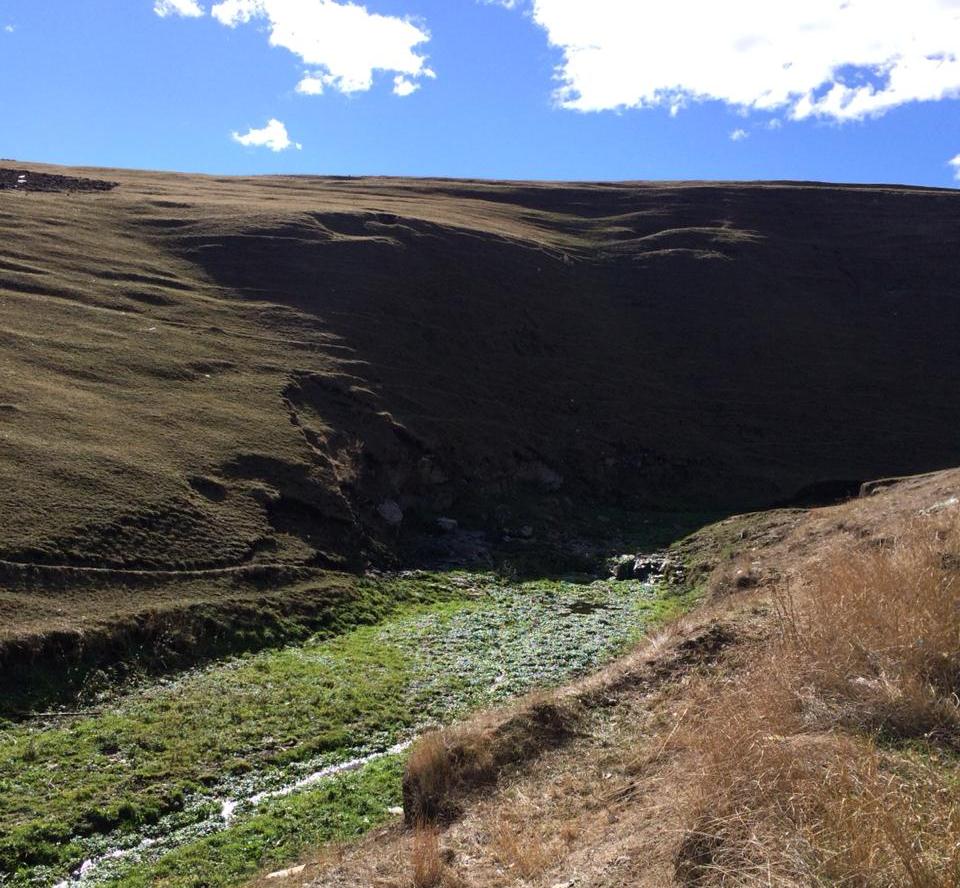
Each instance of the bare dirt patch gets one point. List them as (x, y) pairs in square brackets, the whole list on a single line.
[(28, 180)]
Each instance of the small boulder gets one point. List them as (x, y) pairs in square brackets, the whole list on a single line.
[(431, 473), (540, 474), (391, 512), (447, 525), (645, 568)]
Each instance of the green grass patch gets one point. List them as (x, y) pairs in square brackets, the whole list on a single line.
[(279, 833), (159, 761), (143, 755)]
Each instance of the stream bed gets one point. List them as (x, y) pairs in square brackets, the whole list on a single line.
[(246, 762)]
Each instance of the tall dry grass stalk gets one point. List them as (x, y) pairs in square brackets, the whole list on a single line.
[(426, 864), (833, 759), (431, 778)]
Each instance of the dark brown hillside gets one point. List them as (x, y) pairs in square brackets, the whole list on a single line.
[(698, 345), (201, 373)]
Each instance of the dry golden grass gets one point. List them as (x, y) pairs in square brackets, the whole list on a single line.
[(519, 845), (876, 635), (435, 770), (832, 760), (425, 861), (444, 767)]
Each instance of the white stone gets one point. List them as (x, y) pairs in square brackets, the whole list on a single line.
[(287, 873)]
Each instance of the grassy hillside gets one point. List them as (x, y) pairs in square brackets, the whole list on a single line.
[(234, 411), (215, 375)]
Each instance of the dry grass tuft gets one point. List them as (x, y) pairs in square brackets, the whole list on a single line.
[(832, 760), (441, 766), (876, 638), (519, 846), (426, 863), (445, 766)]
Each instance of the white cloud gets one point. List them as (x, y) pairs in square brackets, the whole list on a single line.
[(402, 86), (738, 135), (9, 28), (342, 43), (273, 136), (837, 59), (313, 84), (188, 8), (955, 163)]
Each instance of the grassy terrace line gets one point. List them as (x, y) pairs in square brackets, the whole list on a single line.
[(201, 622), (157, 762)]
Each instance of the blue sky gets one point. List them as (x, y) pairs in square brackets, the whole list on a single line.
[(838, 90)]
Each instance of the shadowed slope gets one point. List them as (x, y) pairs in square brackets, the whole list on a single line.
[(202, 373)]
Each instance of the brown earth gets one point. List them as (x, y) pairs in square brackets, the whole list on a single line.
[(28, 180), (202, 374), (607, 801)]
